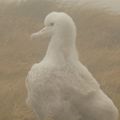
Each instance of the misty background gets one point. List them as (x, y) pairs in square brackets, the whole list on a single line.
[(98, 43), (113, 5)]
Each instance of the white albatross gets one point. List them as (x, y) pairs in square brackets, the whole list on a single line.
[(60, 87)]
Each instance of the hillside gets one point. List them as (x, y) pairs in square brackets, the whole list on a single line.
[(98, 44)]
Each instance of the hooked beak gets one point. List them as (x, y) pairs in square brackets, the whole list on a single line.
[(40, 33)]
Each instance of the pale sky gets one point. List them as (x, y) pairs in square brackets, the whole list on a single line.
[(111, 4)]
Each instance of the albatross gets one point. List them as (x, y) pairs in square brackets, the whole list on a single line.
[(60, 87)]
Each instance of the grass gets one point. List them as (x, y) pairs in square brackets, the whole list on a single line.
[(97, 42)]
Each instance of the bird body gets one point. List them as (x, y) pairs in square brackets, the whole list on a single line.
[(60, 87)]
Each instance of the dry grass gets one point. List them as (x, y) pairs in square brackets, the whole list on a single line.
[(98, 45)]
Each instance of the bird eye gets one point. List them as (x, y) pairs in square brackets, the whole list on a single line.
[(51, 24)]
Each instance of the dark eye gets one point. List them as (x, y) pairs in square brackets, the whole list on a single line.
[(51, 24)]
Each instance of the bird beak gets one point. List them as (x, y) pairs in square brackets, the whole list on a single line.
[(40, 33)]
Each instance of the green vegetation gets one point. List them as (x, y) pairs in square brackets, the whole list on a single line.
[(98, 44)]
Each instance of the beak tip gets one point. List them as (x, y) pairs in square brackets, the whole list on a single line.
[(36, 35), (33, 36)]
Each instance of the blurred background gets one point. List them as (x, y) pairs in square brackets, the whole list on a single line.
[(98, 44)]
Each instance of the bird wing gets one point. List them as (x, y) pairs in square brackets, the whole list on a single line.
[(88, 83)]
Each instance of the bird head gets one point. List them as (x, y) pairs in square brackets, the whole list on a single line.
[(57, 24)]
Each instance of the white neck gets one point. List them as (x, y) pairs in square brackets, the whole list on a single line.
[(62, 50)]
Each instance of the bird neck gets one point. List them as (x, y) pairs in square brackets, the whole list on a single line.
[(62, 49)]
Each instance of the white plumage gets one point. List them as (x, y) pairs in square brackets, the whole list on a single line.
[(60, 87)]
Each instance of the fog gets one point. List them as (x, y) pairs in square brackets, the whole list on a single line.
[(113, 5)]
